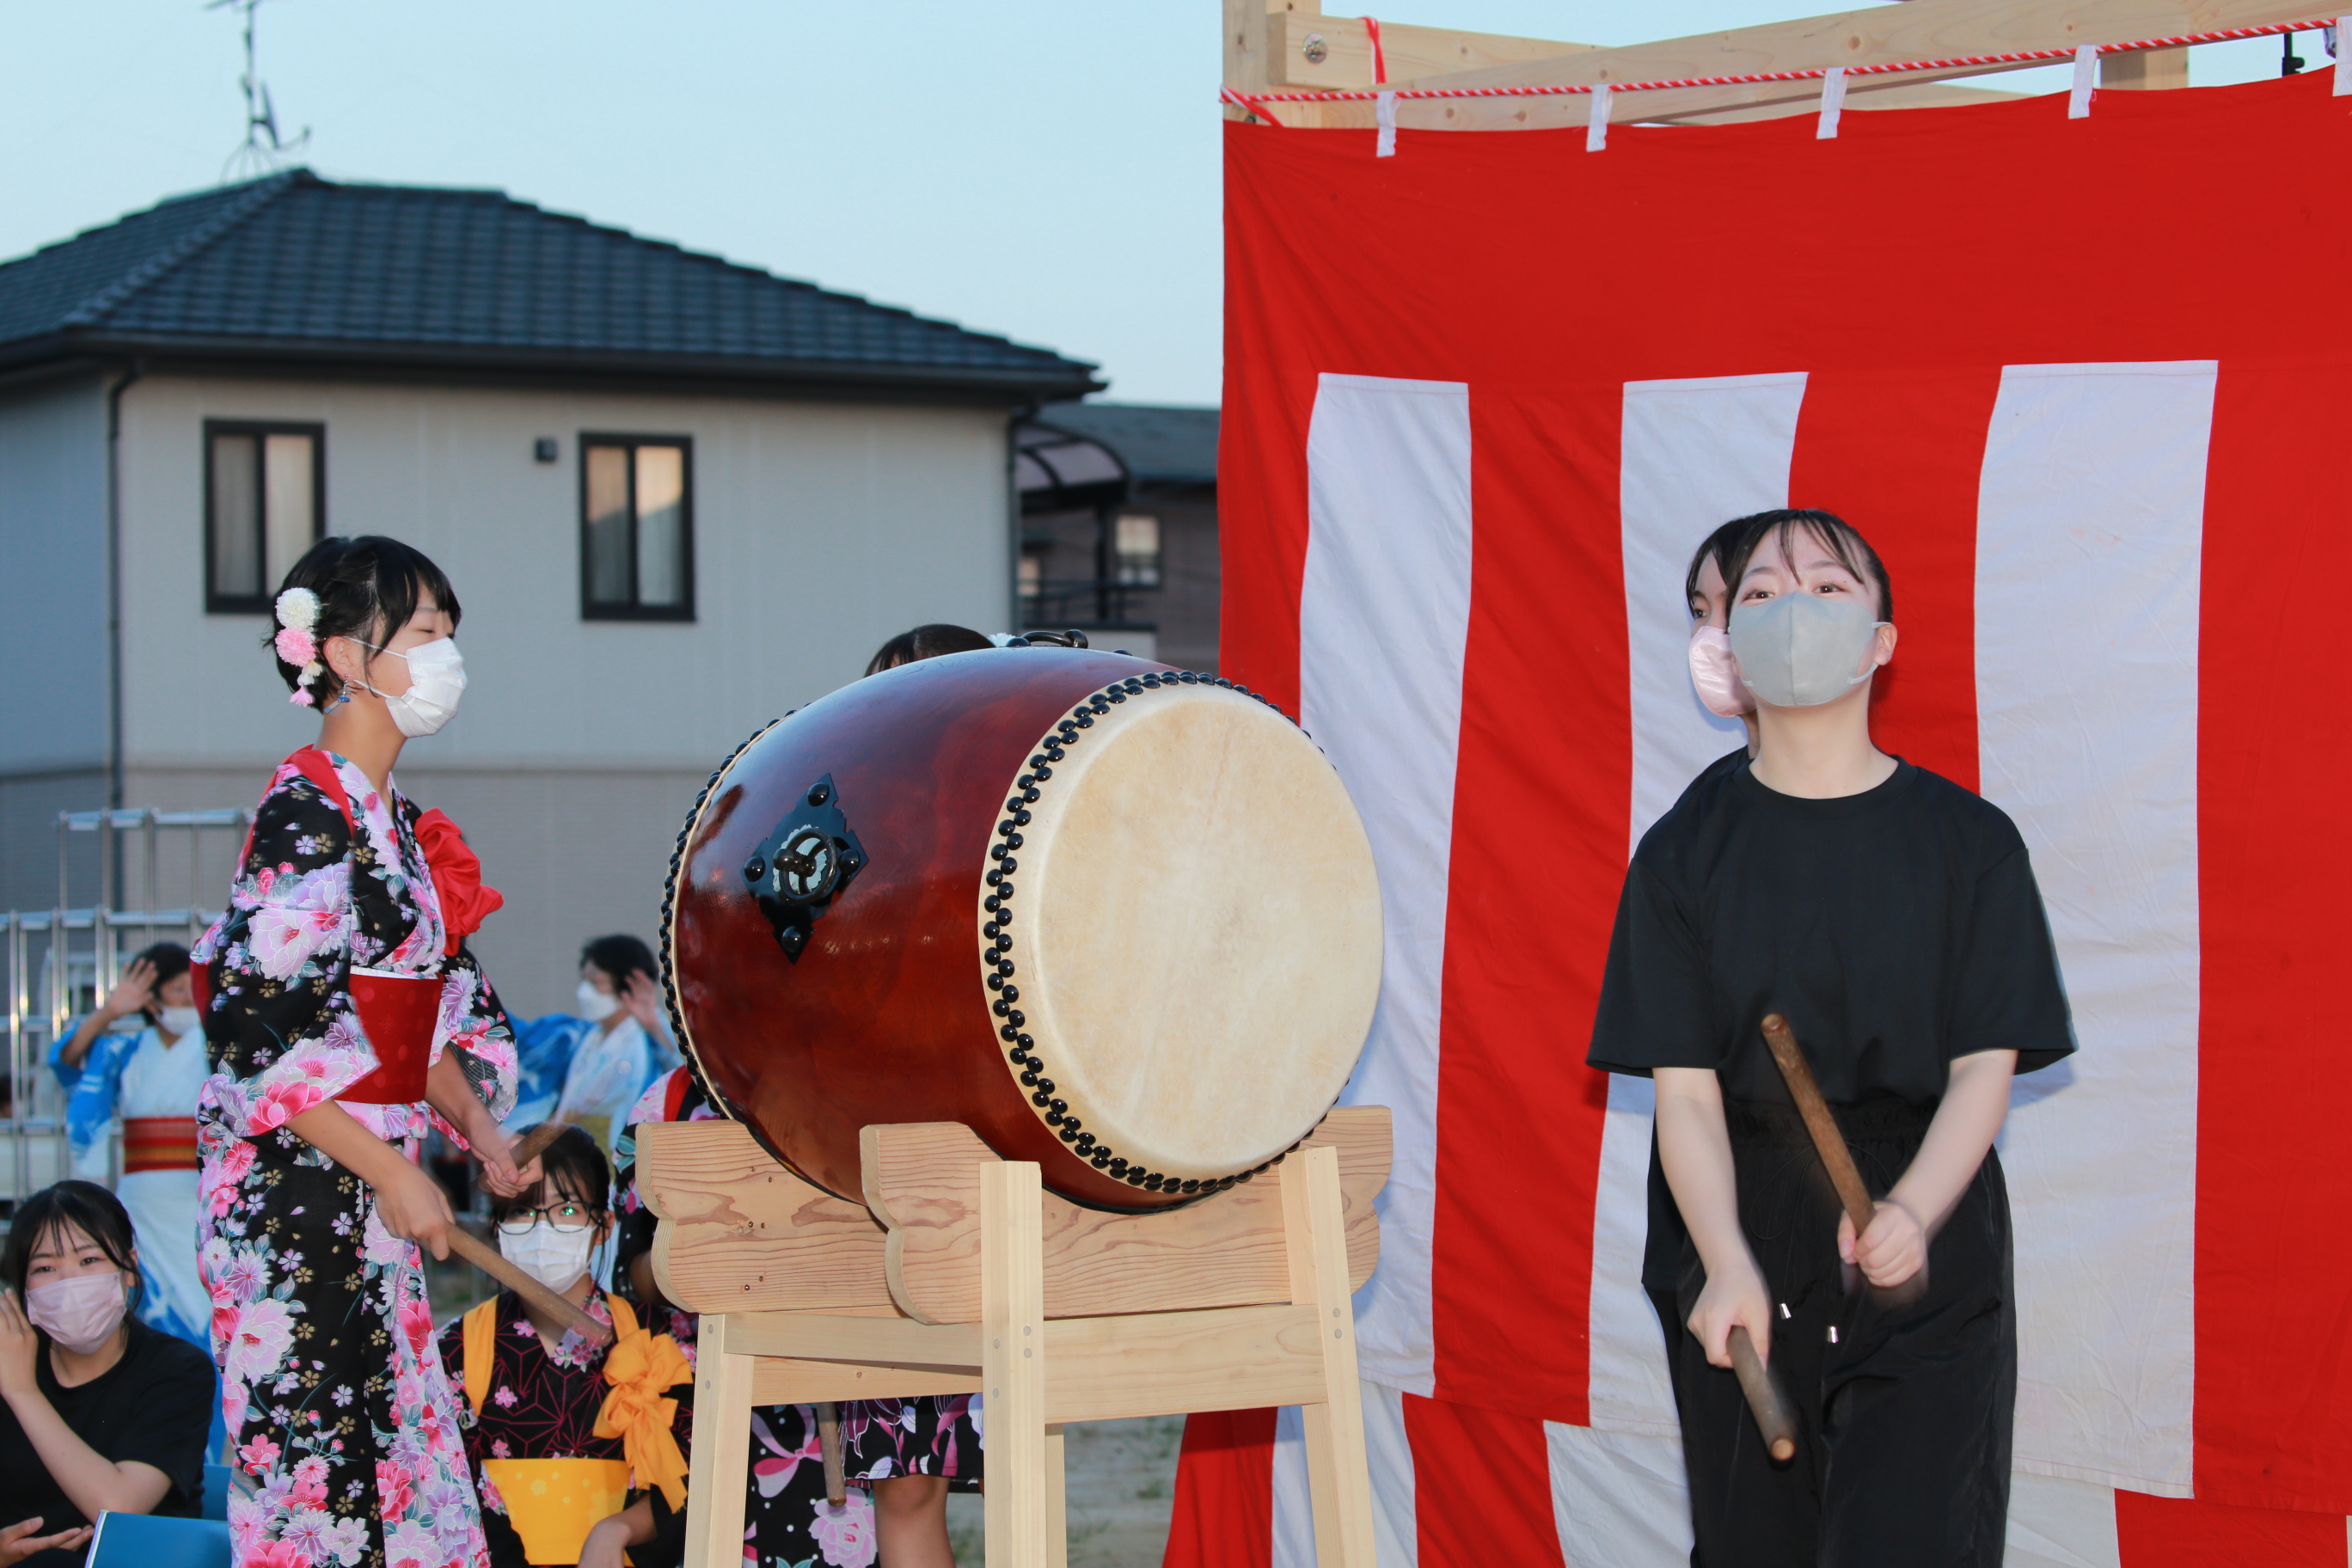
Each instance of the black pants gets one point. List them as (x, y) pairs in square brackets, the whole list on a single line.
[(1905, 1408)]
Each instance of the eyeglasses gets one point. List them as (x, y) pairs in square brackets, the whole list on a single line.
[(562, 1218)]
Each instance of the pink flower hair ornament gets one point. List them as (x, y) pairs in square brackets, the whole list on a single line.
[(297, 615)]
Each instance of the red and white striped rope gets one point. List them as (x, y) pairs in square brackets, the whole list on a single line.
[(2020, 56)]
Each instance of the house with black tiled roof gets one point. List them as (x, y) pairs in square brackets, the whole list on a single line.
[(678, 496)]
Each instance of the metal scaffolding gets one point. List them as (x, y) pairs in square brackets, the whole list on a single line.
[(62, 960)]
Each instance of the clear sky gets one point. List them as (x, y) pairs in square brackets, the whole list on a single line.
[(1045, 171)]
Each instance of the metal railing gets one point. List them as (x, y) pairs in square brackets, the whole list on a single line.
[(62, 960)]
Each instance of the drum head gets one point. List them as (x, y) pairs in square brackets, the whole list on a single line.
[(1195, 935)]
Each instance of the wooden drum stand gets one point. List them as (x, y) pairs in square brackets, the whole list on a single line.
[(960, 1275)]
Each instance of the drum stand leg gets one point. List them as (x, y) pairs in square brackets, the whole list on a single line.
[(1023, 1493), (1057, 1534), (1337, 1471), (722, 1451)]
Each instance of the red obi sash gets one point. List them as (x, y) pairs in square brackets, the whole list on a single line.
[(398, 1012), (158, 1143)]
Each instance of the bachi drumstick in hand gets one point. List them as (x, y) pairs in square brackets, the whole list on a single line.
[(534, 1142), (1764, 1401), (1828, 1141), (493, 1262)]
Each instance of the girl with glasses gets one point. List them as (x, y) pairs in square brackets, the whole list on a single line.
[(579, 1452)]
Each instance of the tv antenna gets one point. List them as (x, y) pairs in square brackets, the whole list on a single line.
[(264, 148)]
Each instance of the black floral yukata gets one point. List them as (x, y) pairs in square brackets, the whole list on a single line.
[(347, 1444), (542, 1404)]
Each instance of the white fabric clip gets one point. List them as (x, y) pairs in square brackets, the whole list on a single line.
[(2086, 76), (1384, 115), (2343, 57), (1596, 130), (1832, 103)]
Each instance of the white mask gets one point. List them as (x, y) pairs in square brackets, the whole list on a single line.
[(556, 1258), (436, 679), (1800, 650), (177, 1021), (596, 1006)]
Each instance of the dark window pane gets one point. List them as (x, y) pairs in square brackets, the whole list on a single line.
[(661, 526), (237, 519), (608, 525), (288, 508)]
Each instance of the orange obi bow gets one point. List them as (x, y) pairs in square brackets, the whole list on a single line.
[(641, 1367), (457, 876)]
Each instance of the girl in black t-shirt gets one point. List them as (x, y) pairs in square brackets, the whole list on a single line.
[(98, 1411), (1892, 917)]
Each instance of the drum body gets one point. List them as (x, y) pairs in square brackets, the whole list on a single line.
[(1118, 920)]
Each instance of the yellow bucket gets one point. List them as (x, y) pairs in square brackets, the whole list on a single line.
[(553, 1503)]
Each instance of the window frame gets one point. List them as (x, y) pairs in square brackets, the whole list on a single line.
[(594, 609), (263, 604)]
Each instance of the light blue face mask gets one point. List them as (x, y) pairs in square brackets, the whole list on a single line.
[(1800, 650)]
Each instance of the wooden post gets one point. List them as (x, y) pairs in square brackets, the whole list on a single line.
[(722, 1450), (1245, 22), (1057, 1515), (1020, 1524), (1337, 1465)]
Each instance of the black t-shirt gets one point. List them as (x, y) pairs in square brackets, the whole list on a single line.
[(153, 1406), (1896, 930)]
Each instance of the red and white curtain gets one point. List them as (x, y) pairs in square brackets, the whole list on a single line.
[(2088, 386)]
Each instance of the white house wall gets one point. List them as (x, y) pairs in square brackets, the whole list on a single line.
[(52, 622), (53, 576), (819, 529)]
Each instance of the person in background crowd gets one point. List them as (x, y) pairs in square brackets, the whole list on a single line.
[(928, 641), (1715, 680), (624, 1043), (786, 1519), (140, 1057), (557, 1426), (98, 1411)]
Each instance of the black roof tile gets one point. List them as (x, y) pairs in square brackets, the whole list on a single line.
[(294, 265)]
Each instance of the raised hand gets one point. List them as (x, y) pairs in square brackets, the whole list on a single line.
[(132, 993)]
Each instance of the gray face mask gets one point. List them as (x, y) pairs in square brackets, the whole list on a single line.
[(1799, 650)]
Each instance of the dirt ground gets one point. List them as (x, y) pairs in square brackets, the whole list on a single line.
[(1120, 1477)]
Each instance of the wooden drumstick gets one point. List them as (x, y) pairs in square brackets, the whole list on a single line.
[(493, 1262), (1764, 1401), (1827, 1140), (828, 1442), (535, 1142)]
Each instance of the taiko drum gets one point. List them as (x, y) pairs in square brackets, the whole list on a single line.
[(1119, 919)]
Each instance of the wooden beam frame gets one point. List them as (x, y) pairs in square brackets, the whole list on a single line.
[(1885, 35), (1308, 52)]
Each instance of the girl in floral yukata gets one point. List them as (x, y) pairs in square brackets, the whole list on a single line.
[(344, 1020)]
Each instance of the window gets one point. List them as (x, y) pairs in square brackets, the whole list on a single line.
[(264, 504), (1138, 544), (636, 528)]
